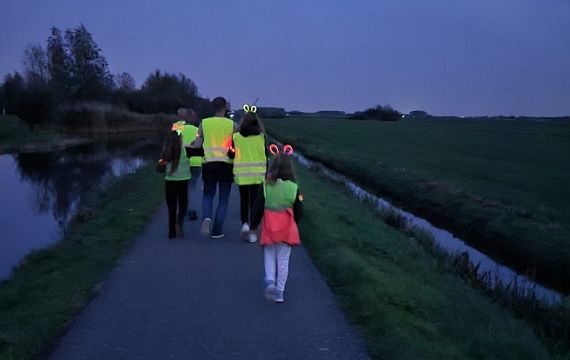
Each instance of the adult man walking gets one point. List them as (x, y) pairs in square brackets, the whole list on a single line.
[(215, 136)]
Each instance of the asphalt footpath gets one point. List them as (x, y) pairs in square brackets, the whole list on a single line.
[(202, 298)]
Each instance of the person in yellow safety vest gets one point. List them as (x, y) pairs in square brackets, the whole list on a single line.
[(250, 165), (176, 179), (189, 134), (279, 205), (215, 137)]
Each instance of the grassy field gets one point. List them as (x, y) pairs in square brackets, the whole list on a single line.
[(502, 185), (407, 304), (53, 284)]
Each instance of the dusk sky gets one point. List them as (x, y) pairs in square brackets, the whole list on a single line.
[(455, 57)]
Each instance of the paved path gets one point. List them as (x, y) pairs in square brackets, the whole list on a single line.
[(198, 298)]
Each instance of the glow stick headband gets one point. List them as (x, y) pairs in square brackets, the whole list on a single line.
[(251, 109), (287, 150)]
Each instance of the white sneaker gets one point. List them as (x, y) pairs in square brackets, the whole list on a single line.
[(270, 292), (244, 231), (252, 238), (205, 230), (279, 298)]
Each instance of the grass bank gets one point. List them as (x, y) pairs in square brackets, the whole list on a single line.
[(15, 136), (94, 119), (407, 303), (53, 284), (501, 185)]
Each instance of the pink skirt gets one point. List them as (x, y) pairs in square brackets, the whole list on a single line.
[(279, 227)]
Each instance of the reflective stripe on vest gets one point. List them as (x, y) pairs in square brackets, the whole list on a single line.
[(280, 195), (217, 139), (250, 163)]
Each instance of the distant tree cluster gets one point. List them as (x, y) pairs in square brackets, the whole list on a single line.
[(382, 113), (71, 69)]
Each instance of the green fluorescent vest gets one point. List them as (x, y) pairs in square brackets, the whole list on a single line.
[(217, 139), (188, 135), (182, 172), (280, 195), (250, 163)]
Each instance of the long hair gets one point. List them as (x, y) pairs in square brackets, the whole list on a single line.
[(281, 168), (251, 120), (172, 149)]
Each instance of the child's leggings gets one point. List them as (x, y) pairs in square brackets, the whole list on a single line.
[(276, 258)]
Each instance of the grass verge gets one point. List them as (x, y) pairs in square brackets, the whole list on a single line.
[(15, 136), (53, 284), (406, 302), (500, 185)]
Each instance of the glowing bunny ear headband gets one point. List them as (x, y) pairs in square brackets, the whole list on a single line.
[(251, 109), (178, 127), (287, 150)]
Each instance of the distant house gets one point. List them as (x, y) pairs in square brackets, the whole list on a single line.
[(263, 112), (271, 112)]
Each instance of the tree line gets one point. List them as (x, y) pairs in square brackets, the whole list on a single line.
[(71, 69)]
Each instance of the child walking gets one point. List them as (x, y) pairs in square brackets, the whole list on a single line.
[(250, 166), (279, 206), (175, 179)]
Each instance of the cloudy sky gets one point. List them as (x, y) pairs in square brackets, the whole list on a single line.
[(460, 57)]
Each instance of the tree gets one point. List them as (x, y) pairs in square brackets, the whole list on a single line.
[(125, 82), (383, 113), (32, 100), (169, 92), (13, 88), (90, 77), (35, 63), (58, 65)]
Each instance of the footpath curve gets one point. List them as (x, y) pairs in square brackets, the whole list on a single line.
[(197, 298)]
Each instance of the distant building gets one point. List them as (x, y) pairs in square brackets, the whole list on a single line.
[(263, 112)]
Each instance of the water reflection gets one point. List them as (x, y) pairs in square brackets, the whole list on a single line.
[(41, 192)]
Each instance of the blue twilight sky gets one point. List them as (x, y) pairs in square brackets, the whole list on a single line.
[(460, 57)]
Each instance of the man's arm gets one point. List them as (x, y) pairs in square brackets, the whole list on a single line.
[(199, 141)]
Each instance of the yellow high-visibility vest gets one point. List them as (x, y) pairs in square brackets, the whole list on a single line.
[(250, 163), (188, 135), (280, 195), (217, 132)]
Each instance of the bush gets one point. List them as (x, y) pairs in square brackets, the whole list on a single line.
[(382, 113)]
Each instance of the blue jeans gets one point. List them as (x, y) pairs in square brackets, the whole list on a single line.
[(208, 203)]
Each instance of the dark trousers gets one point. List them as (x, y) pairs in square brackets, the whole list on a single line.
[(176, 199), (196, 172), (247, 197)]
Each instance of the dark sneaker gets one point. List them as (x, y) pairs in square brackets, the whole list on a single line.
[(218, 236)]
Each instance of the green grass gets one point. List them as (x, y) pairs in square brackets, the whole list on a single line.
[(501, 185), (406, 303), (14, 133), (53, 284)]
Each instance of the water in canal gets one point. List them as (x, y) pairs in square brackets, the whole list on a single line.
[(41, 192)]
